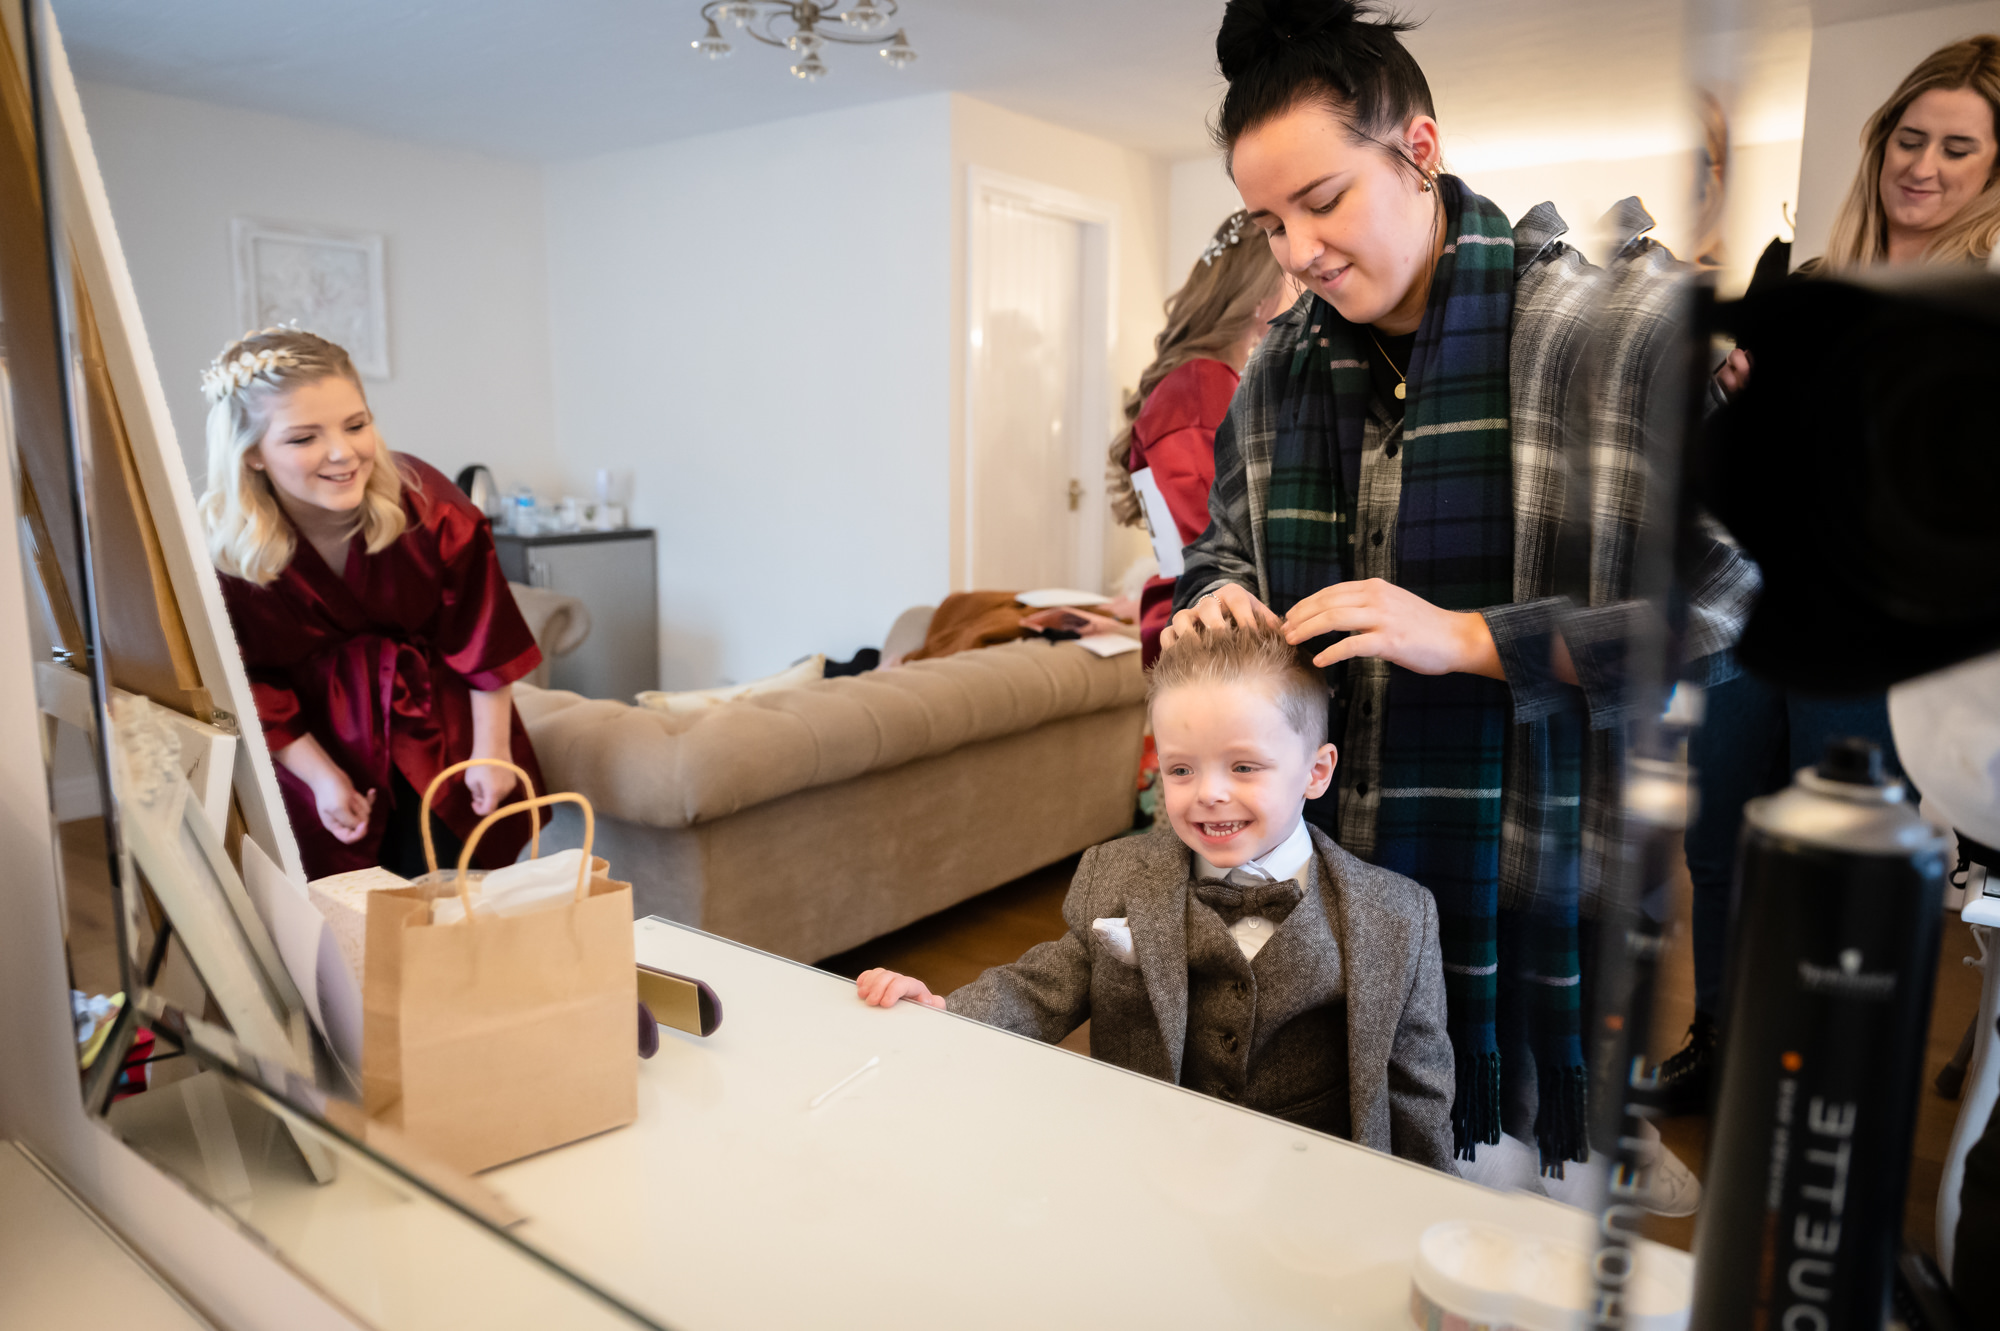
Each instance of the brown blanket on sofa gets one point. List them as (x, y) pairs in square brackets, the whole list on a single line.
[(972, 619)]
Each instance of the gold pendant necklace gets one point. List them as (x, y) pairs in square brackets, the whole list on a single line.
[(1402, 384)]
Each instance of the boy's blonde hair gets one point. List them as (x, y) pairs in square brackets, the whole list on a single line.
[(1255, 654), (248, 535)]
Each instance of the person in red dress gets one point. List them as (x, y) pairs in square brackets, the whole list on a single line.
[(378, 633), (1214, 322)]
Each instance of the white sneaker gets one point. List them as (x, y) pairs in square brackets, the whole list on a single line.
[(1671, 1187), (1672, 1190), (1510, 1166)]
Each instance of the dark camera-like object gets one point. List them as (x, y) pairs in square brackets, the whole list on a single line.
[(1860, 468)]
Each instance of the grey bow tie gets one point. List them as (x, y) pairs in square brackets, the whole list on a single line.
[(1249, 892)]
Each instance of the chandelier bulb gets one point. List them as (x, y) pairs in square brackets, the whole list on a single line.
[(810, 68), (710, 43), (899, 52), (866, 16), (740, 12)]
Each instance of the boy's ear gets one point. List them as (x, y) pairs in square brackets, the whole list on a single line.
[(1324, 760)]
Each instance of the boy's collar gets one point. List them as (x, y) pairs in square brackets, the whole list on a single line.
[(1287, 859)]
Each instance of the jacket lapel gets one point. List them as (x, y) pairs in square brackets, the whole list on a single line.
[(1156, 909), (1300, 968)]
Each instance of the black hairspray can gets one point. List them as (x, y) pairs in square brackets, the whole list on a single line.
[(1839, 893)]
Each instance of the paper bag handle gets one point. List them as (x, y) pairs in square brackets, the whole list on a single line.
[(539, 802), (424, 816)]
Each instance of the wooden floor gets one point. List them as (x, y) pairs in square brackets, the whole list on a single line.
[(954, 946)]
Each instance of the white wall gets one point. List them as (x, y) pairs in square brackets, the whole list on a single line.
[(757, 323), (1762, 177), (1855, 68), (466, 263), (1136, 184), (1199, 196)]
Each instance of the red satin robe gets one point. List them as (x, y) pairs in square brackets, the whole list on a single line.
[(378, 664), (1175, 436)]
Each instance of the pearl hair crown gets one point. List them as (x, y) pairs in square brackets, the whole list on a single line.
[(223, 378)]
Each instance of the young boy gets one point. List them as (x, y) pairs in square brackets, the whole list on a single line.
[(1242, 953)]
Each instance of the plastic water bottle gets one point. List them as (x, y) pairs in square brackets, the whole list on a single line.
[(521, 512)]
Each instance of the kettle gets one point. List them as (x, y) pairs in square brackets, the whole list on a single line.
[(477, 483)]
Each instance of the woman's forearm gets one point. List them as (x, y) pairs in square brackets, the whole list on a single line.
[(493, 723), (306, 760), (1480, 655)]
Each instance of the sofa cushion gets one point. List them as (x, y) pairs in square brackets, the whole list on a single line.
[(675, 771), (695, 700)]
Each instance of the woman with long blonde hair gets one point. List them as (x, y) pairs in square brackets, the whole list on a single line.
[(1214, 321), (1928, 189), (374, 622)]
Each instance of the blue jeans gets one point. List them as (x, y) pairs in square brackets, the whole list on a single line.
[(1753, 736)]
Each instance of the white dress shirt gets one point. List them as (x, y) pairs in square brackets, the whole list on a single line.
[(1288, 859)]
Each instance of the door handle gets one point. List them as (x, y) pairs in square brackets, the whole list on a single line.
[(1075, 493)]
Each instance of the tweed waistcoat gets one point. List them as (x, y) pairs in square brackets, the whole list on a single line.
[(1270, 1033)]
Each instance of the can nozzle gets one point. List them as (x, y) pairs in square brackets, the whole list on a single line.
[(1853, 761)]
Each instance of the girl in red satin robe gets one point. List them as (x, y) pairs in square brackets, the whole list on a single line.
[(377, 630), (1214, 322)]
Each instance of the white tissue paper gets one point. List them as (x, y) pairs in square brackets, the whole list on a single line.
[(1115, 933), (517, 889)]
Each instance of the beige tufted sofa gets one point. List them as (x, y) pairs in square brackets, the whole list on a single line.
[(806, 821)]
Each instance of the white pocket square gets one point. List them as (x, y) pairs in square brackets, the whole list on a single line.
[(1115, 933)]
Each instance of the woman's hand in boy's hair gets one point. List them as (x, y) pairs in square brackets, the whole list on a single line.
[(880, 988), (1387, 621), (1226, 606)]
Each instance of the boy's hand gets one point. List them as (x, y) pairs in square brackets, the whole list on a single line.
[(880, 988)]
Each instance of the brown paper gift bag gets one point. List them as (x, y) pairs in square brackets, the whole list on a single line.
[(489, 1039)]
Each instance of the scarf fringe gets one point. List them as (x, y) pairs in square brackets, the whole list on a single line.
[(1562, 1127), (1475, 1110)]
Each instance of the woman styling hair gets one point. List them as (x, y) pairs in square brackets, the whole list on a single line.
[(377, 630), (1374, 493), (1927, 191), (1214, 322)]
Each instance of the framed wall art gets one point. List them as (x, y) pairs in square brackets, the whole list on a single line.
[(331, 281)]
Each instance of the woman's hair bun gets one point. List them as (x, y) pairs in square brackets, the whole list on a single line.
[(1277, 54), (1254, 31)]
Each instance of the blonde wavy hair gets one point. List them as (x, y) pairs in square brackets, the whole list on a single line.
[(1212, 312), (1861, 231), (248, 533)]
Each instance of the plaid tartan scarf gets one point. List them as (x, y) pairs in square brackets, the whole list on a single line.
[(1444, 737)]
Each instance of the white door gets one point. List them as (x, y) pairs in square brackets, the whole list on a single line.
[(1027, 482)]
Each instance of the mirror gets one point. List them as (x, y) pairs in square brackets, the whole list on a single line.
[(712, 454)]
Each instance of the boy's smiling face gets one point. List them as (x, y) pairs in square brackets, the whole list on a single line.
[(1236, 774)]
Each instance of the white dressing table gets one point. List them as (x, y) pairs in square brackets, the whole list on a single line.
[(972, 1179)]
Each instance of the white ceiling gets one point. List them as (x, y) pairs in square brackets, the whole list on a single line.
[(1516, 80)]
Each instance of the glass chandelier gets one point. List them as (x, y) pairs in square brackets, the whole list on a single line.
[(803, 28)]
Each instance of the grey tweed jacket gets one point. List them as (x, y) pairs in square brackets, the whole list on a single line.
[(1399, 1059)]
